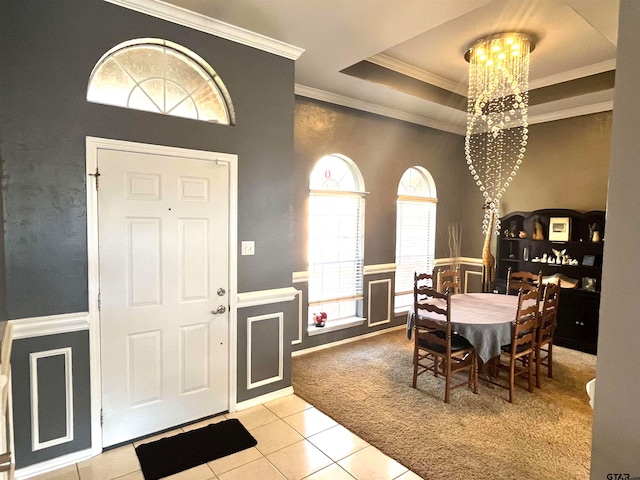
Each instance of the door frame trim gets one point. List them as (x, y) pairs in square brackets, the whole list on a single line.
[(93, 146)]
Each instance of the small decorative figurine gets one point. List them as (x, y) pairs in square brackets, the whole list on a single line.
[(319, 319), (537, 230), (559, 255)]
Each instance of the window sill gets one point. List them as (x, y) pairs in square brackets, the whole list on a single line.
[(335, 325)]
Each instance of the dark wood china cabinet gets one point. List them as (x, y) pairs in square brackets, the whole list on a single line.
[(564, 244)]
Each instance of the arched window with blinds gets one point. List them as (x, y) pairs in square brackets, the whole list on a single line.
[(160, 76), (336, 238), (415, 231)]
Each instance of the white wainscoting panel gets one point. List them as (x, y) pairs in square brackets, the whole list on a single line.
[(35, 408), (50, 325), (386, 281), (280, 375)]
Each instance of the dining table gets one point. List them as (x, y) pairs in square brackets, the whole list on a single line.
[(484, 319)]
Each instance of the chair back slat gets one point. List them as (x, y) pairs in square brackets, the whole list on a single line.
[(522, 280), (449, 280), (431, 309), (524, 328), (422, 280), (432, 304)]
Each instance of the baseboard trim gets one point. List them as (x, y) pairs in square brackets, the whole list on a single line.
[(53, 464), (346, 340), (254, 402)]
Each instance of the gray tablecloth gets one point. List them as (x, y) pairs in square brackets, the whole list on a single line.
[(482, 318)]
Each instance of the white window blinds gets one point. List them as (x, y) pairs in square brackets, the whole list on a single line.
[(415, 231), (335, 247), (336, 236)]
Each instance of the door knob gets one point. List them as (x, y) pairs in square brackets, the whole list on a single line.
[(220, 309)]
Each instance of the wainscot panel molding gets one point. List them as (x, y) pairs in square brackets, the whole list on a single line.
[(470, 261), (298, 340), (264, 297), (66, 376), (49, 325), (377, 269), (6, 435), (252, 322), (50, 392), (187, 18), (439, 262), (385, 286), (299, 277), (470, 267)]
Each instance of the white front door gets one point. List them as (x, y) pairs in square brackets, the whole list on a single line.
[(164, 279)]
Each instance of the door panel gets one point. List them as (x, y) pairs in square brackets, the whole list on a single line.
[(163, 254)]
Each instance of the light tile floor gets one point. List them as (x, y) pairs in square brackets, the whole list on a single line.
[(295, 442)]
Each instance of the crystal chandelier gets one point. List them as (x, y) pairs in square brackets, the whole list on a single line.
[(497, 115)]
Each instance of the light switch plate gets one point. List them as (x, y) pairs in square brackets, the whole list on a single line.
[(248, 247)]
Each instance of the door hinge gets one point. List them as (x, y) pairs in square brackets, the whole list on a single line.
[(97, 176), (101, 417), (99, 302)]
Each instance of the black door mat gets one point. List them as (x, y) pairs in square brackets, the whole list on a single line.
[(171, 455)]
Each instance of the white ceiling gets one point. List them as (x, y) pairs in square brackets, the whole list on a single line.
[(426, 40)]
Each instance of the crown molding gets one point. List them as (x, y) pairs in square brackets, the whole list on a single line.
[(572, 107), (582, 72), (571, 112), (197, 21), (336, 99), (417, 73), (432, 79)]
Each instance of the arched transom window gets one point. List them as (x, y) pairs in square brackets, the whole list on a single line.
[(415, 231), (160, 76), (336, 238)]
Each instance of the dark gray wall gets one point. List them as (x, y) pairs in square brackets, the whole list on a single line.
[(47, 51), (566, 166), (383, 149)]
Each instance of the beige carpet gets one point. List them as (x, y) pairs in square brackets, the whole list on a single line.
[(366, 386)]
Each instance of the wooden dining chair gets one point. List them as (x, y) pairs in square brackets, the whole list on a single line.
[(448, 280), (517, 358), (422, 280), (437, 348), (547, 322), (522, 279)]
